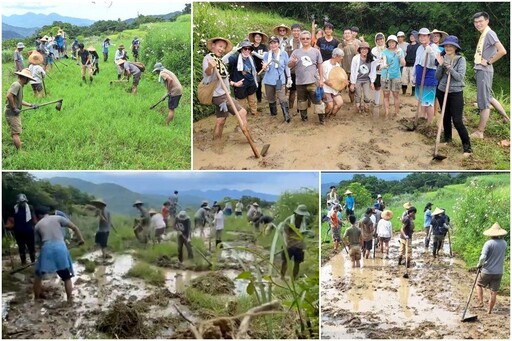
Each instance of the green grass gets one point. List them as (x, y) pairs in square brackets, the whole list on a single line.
[(148, 273), (103, 126)]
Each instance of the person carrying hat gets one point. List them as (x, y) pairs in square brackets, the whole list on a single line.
[(427, 221), (488, 51), (184, 230), (18, 57), (362, 77), (54, 256), (453, 64), (258, 40), (213, 60), (410, 57), (35, 60), (201, 218), (394, 60), (14, 104), (24, 221), (105, 46), (377, 52), (131, 69), (350, 203), (120, 54), (385, 231), (141, 226), (157, 225), (439, 230), (174, 89), (490, 264), (135, 47), (332, 97), (307, 62), (104, 226), (294, 245), (275, 63), (243, 75), (406, 236)]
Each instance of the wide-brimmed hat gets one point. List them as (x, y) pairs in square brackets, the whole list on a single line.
[(120, 61), (302, 210), (158, 67), (414, 33), (264, 37), (45, 38), (152, 211), (35, 58), (21, 198), (58, 34), (182, 215), (495, 231), (276, 29), (255, 204), (98, 201), (273, 39), (379, 196), (25, 73), (211, 41), (442, 33), (400, 34), (407, 205), (90, 48), (451, 40), (438, 211), (244, 44), (20, 45), (347, 192), (386, 215), (424, 31), (364, 45), (204, 203), (121, 46), (138, 202), (392, 37), (338, 78)]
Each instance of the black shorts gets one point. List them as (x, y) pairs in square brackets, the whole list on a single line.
[(238, 214), (101, 238), (64, 274), (173, 102), (377, 83), (295, 253), (348, 212), (37, 87), (245, 91), (368, 245)]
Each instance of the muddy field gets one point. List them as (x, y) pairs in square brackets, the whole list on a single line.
[(347, 141), (376, 302), (109, 304)]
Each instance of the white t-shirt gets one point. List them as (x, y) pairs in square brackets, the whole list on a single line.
[(219, 220), (157, 221), (384, 229), (326, 68)]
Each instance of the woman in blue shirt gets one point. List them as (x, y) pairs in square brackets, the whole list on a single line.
[(427, 220), (394, 58)]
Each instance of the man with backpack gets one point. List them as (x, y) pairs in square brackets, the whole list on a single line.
[(131, 69), (174, 89)]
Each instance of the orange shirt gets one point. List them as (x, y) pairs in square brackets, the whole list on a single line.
[(334, 219), (165, 212)]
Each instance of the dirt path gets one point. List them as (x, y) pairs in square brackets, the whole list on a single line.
[(376, 302), (347, 141)]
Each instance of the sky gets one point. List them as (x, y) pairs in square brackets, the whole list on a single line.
[(166, 182), (330, 177), (95, 9)]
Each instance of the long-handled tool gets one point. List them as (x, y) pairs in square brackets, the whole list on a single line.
[(44, 88), (325, 241), (246, 132), (450, 243), (58, 106), (474, 317), (427, 239), (438, 156), (407, 260), (195, 248), (160, 101), (422, 83)]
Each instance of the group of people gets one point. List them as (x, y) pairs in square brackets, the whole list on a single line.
[(290, 67)]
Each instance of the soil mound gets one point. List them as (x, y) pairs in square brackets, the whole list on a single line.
[(125, 321), (214, 283)]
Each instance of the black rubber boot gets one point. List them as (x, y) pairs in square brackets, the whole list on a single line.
[(321, 118), (303, 115), (413, 91), (118, 77), (83, 79), (286, 112), (400, 260), (91, 79), (404, 89), (408, 264), (273, 109)]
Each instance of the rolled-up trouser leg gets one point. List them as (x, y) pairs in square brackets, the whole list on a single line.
[(253, 105)]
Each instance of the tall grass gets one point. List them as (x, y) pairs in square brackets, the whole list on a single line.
[(149, 273), (101, 126)]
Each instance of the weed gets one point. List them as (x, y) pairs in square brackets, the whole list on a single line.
[(149, 273)]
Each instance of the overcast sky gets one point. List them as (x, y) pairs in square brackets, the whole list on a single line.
[(166, 182), (95, 9)]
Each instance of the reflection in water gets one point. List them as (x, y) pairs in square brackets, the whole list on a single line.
[(403, 293)]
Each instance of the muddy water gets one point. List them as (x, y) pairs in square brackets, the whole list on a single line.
[(348, 141), (375, 301)]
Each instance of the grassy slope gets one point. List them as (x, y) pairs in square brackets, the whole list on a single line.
[(102, 126)]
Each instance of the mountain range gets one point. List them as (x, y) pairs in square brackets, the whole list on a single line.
[(120, 199), (30, 20)]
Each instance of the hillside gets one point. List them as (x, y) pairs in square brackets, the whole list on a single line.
[(31, 19), (10, 32)]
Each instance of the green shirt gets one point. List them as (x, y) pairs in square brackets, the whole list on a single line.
[(17, 90)]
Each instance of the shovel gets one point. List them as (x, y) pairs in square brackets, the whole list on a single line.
[(58, 106), (406, 275), (160, 101), (437, 156), (415, 125), (246, 132), (474, 317), (196, 249)]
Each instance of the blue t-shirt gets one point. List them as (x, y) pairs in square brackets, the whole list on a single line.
[(349, 201), (427, 217), (393, 63)]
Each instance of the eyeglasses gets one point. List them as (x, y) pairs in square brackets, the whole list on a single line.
[(305, 38), (246, 49), (282, 30)]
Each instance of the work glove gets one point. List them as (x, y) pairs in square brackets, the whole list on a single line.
[(34, 106), (16, 111), (223, 107), (289, 83), (447, 66), (481, 263), (429, 50)]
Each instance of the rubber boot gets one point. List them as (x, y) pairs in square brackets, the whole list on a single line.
[(291, 98), (321, 118), (404, 89), (273, 109), (83, 79), (90, 79), (303, 115), (286, 112), (399, 260), (118, 77), (408, 264), (413, 91)]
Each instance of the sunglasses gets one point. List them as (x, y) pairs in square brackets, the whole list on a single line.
[(246, 49), (305, 38)]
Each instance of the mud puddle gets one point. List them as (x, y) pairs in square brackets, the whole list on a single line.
[(375, 301)]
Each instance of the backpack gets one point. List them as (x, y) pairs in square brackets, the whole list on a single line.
[(140, 66)]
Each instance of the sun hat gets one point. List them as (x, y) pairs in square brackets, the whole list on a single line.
[(152, 211), (451, 40), (442, 33), (414, 33), (35, 57), (182, 215), (158, 67), (276, 29), (21, 198), (386, 215), (245, 44), (204, 203), (392, 37), (121, 46), (25, 73), (98, 201), (211, 41), (379, 196), (495, 231), (255, 204), (302, 210), (379, 35), (337, 76), (400, 34), (407, 205), (138, 202), (424, 31), (264, 37), (120, 61), (273, 39), (20, 45), (347, 192), (91, 49), (438, 211), (364, 45), (58, 34)]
